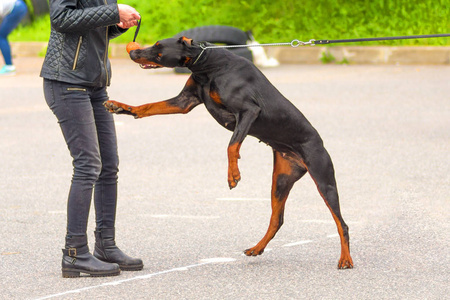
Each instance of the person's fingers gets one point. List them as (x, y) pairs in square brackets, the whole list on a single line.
[(126, 25), (136, 16), (128, 16)]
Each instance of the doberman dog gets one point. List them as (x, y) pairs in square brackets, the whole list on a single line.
[(242, 100)]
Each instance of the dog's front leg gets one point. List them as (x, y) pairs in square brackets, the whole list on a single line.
[(244, 121), (181, 104), (176, 105)]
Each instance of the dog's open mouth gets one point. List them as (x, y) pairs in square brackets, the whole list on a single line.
[(150, 66)]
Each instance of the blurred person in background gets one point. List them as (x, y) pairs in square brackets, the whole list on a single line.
[(11, 13)]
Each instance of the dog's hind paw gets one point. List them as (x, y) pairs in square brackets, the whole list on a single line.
[(345, 264), (253, 252)]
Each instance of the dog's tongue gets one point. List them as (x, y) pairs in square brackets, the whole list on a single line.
[(133, 46)]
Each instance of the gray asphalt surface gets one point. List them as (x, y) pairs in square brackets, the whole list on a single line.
[(387, 129)]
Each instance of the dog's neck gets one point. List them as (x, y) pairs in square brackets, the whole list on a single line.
[(206, 59)]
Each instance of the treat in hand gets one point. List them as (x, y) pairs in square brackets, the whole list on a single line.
[(133, 46)]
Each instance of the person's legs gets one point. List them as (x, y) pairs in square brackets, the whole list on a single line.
[(72, 107), (9, 23)]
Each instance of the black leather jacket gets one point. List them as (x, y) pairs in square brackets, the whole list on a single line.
[(78, 47)]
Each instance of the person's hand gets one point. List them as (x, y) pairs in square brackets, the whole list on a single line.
[(128, 16)]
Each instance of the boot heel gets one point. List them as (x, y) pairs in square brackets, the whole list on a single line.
[(70, 274)]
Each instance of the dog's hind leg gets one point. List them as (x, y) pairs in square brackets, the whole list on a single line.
[(320, 167), (288, 169)]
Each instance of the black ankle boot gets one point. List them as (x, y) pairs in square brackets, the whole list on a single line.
[(77, 259), (106, 250)]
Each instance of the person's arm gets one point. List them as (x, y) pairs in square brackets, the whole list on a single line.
[(66, 17)]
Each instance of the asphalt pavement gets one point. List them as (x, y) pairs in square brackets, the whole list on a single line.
[(387, 128)]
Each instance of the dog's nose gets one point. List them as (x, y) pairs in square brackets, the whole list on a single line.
[(134, 54)]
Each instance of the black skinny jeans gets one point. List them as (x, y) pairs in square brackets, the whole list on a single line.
[(90, 135)]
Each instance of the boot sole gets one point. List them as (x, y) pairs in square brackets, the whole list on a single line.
[(131, 268), (74, 273)]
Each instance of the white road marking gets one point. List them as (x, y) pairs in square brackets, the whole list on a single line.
[(147, 276), (332, 235), (297, 243), (218, 260)]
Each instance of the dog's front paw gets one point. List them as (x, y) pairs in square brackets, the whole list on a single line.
[(118, 108), (234, 176)]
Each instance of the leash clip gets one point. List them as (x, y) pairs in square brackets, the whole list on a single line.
[(296, 43)]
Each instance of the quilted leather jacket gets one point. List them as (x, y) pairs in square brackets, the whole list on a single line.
[(77, 51)]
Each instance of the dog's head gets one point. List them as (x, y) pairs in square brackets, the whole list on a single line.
[(169, 53)]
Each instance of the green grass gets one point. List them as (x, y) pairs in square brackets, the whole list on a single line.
[(39, 30), (283, 21)]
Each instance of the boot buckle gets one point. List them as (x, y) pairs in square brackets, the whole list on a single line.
[(72, 252)]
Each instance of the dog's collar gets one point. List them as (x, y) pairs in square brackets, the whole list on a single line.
[(201, 53)]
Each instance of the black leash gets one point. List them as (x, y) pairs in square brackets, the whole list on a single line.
[(295, 43), (312, 42), (326, 42), (137, 29)]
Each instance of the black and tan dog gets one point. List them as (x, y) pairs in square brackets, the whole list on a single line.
[(242, 100)]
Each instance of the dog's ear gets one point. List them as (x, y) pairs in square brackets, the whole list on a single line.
[(186, 41)]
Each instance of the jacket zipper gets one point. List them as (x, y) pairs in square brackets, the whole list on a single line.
[(80, 40), (106, 52)]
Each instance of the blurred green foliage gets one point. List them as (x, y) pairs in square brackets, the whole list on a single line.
[(282, 21)]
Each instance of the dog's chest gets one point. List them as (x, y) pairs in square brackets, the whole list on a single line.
[(215, 106)]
